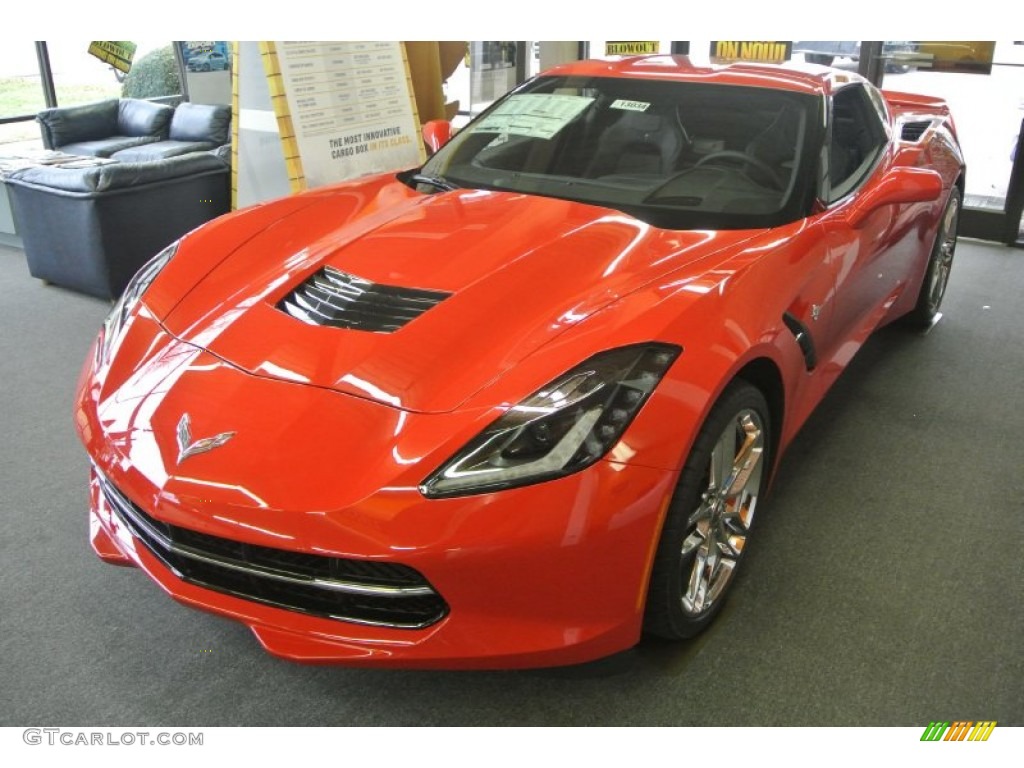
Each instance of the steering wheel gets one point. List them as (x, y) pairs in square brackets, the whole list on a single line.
[(732, 154)]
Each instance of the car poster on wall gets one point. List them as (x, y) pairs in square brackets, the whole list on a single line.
[(206, 55)]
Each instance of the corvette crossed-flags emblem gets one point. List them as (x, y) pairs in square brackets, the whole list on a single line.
[(187, 448)]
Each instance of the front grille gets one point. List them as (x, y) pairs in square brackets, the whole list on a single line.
[(335, 298), (360, 591), (915, 130)]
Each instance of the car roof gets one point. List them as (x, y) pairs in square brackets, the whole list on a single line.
[(801, 78)]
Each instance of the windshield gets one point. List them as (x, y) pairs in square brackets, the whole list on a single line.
[(678, 155)]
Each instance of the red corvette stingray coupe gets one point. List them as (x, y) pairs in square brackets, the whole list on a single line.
[(521, 405)]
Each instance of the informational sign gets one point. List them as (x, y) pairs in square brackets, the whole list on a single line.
[(351, 106), (537, 115), (766, 51), (630, 47), (116, 53)]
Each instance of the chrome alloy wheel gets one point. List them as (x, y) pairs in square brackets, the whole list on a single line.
[(718, 527), (939, 274)]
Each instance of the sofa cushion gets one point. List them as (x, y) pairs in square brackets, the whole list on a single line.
[(160, 150), (64, 125), (116, 177), (107, 146), (201, 122), (138, 117)]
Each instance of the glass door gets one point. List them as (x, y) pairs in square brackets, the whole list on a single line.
[(983, 83)]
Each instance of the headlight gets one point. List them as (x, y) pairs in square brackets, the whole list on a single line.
[(560, 429), (123, 307)]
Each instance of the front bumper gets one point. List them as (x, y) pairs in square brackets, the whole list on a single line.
[(548, 574), (540, 601)]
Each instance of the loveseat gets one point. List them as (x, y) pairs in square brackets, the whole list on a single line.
[(135, 130), (91, 228)]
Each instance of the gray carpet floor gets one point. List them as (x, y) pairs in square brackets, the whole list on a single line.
[(883, 587)]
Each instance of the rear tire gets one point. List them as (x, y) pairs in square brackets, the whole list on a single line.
[(940, 263), (710, 516), (819, 58)]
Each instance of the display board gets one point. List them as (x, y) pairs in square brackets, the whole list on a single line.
[(349, 107)]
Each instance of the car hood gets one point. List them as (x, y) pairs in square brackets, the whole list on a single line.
[(518, 270)]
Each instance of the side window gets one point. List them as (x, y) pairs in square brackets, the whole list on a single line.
[(857, 138)]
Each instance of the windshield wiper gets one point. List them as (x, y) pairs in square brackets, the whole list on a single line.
[(438, 182)]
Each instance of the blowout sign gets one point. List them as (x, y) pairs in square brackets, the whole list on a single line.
[(630, 47), (351, 109), (766, 51), (116, 53)]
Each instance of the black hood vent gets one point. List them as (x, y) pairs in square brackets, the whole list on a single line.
[(336, 298), (915, 130)]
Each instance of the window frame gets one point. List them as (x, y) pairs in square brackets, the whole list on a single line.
[(873, 104)]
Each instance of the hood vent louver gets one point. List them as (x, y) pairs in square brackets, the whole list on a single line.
[(915, 130), (335, 298)]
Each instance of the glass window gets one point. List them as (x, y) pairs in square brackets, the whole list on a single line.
[(21, 90), (987, 109), (857, 138), (80, 78)]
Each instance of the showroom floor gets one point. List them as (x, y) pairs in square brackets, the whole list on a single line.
[(883, 586)]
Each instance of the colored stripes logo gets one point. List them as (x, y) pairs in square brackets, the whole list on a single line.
[(961, 730)]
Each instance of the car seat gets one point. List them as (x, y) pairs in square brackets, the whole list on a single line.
[(639, 144)]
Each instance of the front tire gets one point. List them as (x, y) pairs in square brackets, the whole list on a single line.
[(940, 263), (710, 516)]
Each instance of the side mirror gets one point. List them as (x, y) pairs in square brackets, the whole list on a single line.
[(436, 134), (901, 184)]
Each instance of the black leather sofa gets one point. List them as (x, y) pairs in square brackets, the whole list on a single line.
[(135, 130), (105, 127), (91, 229)]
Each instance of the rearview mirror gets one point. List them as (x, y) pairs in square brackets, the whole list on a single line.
[(899, 185), (436, 134)]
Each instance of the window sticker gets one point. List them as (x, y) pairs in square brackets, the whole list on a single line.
[(537, 115), (634, 106)]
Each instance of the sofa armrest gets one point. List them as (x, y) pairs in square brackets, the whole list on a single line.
[(86, 122)]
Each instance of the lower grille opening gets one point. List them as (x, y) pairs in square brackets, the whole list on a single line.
[(359, 591)]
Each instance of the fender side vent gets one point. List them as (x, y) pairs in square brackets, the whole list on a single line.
[(335, 298), (802, 334)]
